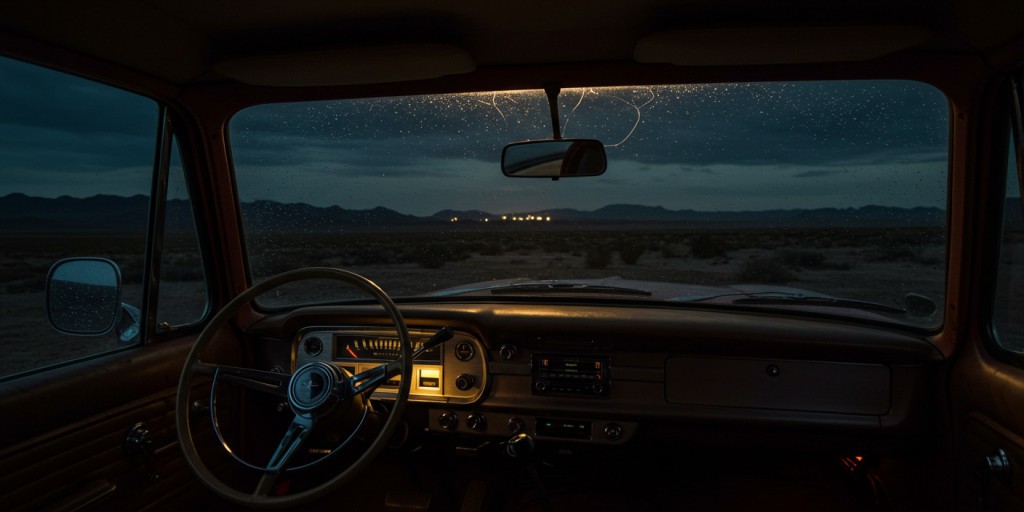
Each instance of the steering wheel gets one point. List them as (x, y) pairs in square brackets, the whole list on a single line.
[(312, 392)]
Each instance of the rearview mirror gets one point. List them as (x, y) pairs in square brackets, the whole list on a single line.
[(83, 296), (560, 158)]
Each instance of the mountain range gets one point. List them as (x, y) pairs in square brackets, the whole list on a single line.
[(20, 213)]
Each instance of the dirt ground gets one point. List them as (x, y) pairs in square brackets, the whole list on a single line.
[(873, 272)]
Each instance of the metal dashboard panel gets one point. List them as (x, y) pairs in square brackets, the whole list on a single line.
[(809, 386), (442, 371)]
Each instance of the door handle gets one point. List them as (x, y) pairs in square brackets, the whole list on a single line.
[(997, 467)]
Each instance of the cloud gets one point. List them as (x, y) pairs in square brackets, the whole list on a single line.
[(35, 97), (714, 146), (817, 173)]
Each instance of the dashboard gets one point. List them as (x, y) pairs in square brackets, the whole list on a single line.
[(600, 375), (454, 372)]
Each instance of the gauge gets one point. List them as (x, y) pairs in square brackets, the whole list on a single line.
[(372, 348), (313, 346)]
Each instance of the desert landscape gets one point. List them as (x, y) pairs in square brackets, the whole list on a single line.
[(873, 264)]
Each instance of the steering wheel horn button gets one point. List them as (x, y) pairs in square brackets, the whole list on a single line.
[(311, 388)]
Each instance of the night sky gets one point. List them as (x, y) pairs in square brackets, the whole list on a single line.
[(713, 147)]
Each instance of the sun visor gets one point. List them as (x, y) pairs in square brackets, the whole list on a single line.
[(350, 66), (776, 45)]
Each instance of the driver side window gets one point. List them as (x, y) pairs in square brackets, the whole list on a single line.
[(76, 165)]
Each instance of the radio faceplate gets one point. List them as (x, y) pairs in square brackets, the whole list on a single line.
[(571, 375)]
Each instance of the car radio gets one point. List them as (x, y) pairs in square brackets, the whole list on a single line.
[(570, 375)]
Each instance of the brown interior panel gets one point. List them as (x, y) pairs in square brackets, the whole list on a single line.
[(984, 442), (777, 384)]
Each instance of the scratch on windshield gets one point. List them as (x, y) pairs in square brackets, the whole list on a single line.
[(568, 118), (638, 115), (637, 107)]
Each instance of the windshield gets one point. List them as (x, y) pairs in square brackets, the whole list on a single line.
[(789, 193)]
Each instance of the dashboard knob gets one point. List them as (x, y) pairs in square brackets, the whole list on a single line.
[(476, 422), (598, 389), (508, 352), (613, 431), (465, 382), (515, 425), (448, 420), (464, 351), (541, 385), (519, 446)]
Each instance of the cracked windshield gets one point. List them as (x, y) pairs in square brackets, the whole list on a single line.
[(815, 197)]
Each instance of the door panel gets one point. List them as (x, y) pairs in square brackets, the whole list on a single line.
[(987, 384), (64, 433), (988, 414)]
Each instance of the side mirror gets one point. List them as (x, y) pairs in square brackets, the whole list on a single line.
[(559, 158), (83, 296)]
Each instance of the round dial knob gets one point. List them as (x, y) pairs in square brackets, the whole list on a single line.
[(465, 382), (613, 431), (313, 346), (464, 351), (515, 425), (541, 385), (476, 422), (519, 446), (508, 352), (448, 420)]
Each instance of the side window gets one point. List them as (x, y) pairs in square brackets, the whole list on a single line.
[(183, 292), (76, 166), (1008, 319)]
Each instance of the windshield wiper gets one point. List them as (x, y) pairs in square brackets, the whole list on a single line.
[(810, 300), (531, 288)]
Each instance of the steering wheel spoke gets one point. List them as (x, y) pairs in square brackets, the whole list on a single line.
[(293, 439), (268, 382), (369, 380)]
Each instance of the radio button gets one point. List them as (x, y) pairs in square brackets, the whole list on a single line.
[(613, 431), (465, 382), (476, 422), (448, 420), (508, 352), (515, 425)]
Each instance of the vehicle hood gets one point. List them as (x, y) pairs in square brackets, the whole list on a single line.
[(679, 292), (661, 291)]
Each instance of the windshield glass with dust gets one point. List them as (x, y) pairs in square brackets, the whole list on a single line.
[(813, 196)]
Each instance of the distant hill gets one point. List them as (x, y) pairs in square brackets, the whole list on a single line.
[(24, 214)]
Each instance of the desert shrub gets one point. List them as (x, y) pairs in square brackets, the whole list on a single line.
[(667, 251), (765, 270), (905, 253), (631, 253), (430, 255), (803, 258), (492, 249), (706, 246), (516, 261), (557, 244), (598, 256), (367, 255), (182, 272), (430, 260)]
